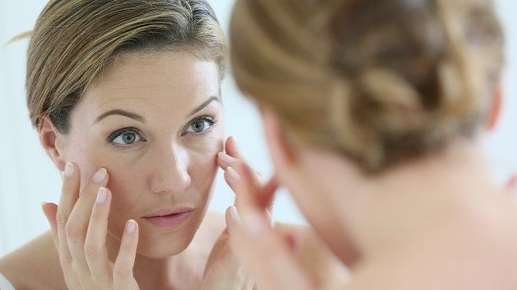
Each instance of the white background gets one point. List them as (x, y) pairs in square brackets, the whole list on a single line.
[(27, 178)]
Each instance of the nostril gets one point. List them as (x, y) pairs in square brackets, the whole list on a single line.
[(177, 182)]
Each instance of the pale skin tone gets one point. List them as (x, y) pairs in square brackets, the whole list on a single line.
[(438, 222), (151, 129)]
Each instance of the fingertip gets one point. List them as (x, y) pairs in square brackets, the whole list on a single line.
[(49, 210), (48, 206), (131, 227), (44, 209), (231, 147)]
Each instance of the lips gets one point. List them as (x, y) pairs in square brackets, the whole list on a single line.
[(169, 217)]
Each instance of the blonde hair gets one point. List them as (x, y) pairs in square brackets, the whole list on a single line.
[(75, 40), (380, 81)]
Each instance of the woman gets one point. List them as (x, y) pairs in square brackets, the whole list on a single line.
[(125, 96), (373, 112)]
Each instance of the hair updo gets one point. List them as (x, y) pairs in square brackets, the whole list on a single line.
[(380, 81)]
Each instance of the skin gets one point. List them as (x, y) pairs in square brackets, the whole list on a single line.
[(412, 227), (161, 163)]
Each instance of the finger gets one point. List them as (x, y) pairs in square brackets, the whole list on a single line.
[(123, 267), (69, 195), (78, 222), (224, 160), (236, 183), (50, 211), (231, 148), (232, 179), (260, 196), (95, 244), (252, 239), (232, 153), (267, 193)]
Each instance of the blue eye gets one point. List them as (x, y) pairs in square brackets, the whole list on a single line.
[(200, 125), (125, 137)]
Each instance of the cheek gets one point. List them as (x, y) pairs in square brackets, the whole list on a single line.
[(203, 167), (122, 181), (87, 158)]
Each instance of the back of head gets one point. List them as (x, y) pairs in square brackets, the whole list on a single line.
[(75, 40), (380, 81)]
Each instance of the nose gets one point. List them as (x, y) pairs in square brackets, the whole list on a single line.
[(171, 174)]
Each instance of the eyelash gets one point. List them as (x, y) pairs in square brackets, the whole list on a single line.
[(113, 136), (116, 134), (209, 119)]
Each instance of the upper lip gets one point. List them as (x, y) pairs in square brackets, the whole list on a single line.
[(169, 211)]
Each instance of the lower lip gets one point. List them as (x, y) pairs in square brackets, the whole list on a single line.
[(169, 221)]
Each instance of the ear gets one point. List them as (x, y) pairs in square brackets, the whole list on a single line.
[(495, 110), (52, 142), (282, 153)]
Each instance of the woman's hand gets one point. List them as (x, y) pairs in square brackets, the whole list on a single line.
[(223, 270), (278, 257), (79, 228), (264, 251)]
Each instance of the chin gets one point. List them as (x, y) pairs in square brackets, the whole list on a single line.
[(156, 243), (164, 245)]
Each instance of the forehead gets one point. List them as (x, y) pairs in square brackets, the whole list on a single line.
[(169, 80)]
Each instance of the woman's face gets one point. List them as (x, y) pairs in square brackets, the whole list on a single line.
[(155, 122)]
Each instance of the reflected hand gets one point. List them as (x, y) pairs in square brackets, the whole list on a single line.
[(79, 229), (278, 257), (223, 270)]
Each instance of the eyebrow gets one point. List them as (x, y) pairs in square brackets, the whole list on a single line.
[(127, 114), (139, 118), (204, 104)]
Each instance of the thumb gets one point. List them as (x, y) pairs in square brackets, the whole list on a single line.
[(50, 211)]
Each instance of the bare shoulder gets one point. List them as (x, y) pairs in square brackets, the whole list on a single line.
[(37, 258)]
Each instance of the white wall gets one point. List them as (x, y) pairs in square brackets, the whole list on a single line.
[(27, 177)]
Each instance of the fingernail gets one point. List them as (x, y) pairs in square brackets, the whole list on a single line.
[(130, 226), (100, 175), (102, 195), (253, 224), (69, 169), (232, 139), (225, 157)]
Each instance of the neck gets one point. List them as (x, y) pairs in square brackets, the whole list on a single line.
[(407, 202)]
